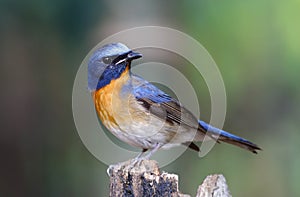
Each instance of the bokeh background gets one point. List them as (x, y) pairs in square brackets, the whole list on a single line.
[(255, 43)]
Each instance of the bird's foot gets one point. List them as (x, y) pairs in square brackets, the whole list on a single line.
[(136, 162)]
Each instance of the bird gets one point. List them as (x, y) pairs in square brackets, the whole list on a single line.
[(139, 113)]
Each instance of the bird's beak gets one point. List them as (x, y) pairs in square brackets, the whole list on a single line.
[(130, 56), (133, 55)]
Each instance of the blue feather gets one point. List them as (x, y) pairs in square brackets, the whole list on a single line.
[(216, 131), (149, 91), (97, 80)]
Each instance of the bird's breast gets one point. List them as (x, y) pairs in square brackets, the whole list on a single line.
[(108, 102)]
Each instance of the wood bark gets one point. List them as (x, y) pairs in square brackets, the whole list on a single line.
[(145, 179)]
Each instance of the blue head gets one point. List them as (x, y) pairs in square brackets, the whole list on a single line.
[(108, 63)]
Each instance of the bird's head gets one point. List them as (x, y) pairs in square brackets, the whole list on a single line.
[(108, 63)]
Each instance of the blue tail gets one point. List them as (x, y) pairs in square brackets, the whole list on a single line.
[(224, 136)]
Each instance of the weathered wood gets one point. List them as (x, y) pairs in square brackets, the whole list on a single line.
[(213, 186), (146, 179)]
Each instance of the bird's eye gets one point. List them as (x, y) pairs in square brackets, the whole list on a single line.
[(107, 60)]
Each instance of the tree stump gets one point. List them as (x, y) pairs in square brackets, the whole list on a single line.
[(145, 179)]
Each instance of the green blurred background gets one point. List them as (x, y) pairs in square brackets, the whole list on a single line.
[(255, 43)]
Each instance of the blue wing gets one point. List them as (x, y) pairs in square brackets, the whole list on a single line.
[(169, 109), (148, 90), (165, 107), (161, 104)]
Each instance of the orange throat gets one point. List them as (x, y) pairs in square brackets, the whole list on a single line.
[(107, 99)]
